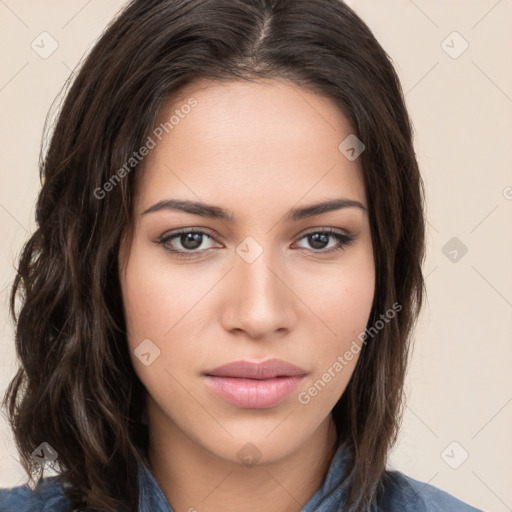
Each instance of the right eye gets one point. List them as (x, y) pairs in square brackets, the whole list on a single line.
[(190, 241)]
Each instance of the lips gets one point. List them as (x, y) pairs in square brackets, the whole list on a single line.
[(254, 385), (265, 370)]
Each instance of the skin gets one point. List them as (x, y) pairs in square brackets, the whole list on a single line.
[(257, 150)]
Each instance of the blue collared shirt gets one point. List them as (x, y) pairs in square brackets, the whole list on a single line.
[(402, 494)]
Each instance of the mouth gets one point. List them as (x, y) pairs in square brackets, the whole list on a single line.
[(254, 385)]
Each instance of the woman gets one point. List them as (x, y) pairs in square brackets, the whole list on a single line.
[(218, 300)]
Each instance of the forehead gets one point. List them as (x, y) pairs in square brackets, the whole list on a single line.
[(251, 143)]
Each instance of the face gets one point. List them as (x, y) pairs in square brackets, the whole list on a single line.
[(263, 281)]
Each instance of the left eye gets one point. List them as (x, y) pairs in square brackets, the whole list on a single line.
[(319, 239), (191, 241)]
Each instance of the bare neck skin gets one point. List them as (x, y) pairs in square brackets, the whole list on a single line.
[(194, 479)]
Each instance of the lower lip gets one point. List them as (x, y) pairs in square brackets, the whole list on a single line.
[(251, 393)]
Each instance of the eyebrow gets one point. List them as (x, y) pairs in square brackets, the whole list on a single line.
[(216, 212)]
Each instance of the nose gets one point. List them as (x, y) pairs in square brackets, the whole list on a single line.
[(258, 300)]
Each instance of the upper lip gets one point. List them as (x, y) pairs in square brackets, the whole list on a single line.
[(264, 370)]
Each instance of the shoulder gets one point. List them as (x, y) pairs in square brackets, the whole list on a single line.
[(403, 493), (48, 496)]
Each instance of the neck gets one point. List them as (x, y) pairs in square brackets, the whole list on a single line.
[(193, 478)]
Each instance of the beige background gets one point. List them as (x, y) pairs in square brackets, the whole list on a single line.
[(459, 384)]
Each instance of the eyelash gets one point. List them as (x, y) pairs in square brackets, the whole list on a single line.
[(343, 241)]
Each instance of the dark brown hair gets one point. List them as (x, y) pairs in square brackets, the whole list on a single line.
[(76, 388)]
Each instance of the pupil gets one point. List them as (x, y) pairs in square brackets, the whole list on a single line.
[(191, 240), (316, 236)]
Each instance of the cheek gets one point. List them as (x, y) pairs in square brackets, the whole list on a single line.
[(342, 297), (162, 318), (158, 301), (348, 313), (343, 303)]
